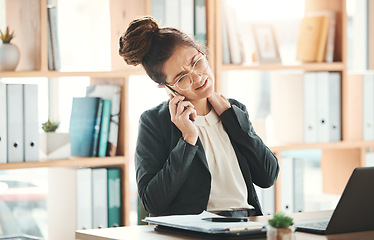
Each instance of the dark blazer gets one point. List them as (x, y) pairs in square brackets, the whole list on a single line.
[(173, 176)]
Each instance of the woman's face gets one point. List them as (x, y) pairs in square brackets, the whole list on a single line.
[(181, 63)]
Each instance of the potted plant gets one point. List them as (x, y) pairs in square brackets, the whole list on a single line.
[(280, 227), (50, 126), (9, 53), (54, 145)]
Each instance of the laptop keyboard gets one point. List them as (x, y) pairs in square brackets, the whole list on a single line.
[(314, 225)]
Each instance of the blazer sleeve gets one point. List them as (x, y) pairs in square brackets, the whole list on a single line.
[(160, 173), (262, 162)]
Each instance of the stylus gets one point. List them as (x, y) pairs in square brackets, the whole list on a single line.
[(226, 219)]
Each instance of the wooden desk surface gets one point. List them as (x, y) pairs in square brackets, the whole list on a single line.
[(147, 231)]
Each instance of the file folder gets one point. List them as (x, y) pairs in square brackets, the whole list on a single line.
[(310, 107), (329, 108), (84, 198), (368, 108), (3, 124), (15, 122), (31, 122), (114, 197), (99, 198)]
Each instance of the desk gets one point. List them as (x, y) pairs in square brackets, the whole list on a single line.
[(146, 232)]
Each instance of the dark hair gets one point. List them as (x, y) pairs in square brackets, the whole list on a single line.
[(147, 44)]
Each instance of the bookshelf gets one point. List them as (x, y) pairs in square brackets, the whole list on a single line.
[(338, 158), (31, 38), (350, 152)]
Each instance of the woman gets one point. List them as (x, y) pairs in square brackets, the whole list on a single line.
[(197, 151)]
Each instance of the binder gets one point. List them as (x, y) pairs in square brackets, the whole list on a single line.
[(31, 122), (298, 185), (113, 93), (287, 185), (310, 107), (3, 124), (99, 198), (292, 185), (84, 126), (84, 198), (369, 159), (368, 107), (200, 21), (268, 201), (186, 17), (15, 122), (114, 197), (329, 108), (158, 11), (172, 13), (104, 128)]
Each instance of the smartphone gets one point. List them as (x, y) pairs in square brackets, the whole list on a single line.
[(172, 91), (174, 94)]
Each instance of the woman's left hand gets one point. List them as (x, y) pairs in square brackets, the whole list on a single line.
[(219, 103)]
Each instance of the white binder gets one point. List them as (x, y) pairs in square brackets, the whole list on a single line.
[(298, 185), (3, 124), (31, 122), (368, 108), (329, 108), (369, 159), (335, 107), (15, 122), (99, 198), (292, 183), (310, 107), (172, 13), (287, 185), (186, 16), (84, 198)]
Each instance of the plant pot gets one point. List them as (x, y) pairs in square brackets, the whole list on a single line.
[(280, 233), (9, 57), (54, 146)]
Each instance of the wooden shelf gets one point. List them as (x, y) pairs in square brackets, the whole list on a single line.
[(55, 74), (336, 66), (72, 162), (329, 145)]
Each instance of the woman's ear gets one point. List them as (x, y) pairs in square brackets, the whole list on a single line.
[(161, 86)]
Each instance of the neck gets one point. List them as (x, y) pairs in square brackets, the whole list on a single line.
[(202, 106)]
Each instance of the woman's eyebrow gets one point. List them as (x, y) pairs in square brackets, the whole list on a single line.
[(192, 62)]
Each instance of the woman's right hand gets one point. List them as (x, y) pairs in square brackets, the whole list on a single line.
[(181, 114)]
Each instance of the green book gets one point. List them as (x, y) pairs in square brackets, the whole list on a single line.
[(114, 197), (104, 128)]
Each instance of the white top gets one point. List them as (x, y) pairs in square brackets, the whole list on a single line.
[(228, 188)]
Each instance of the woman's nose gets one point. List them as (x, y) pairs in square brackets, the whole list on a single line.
[(196, 77)]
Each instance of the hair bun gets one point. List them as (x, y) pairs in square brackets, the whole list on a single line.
[(136, 41)]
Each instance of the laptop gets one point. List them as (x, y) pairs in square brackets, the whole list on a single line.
[(355, 209)]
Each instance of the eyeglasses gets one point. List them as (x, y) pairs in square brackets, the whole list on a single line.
[(185, 81)]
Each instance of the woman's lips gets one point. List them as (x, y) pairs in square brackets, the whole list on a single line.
[(203, 85)]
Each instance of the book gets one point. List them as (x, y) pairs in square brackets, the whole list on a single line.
[(234, 40), (312, 40), (330, 44), (84, 126), (200, 21), (113, 93), (104, 128), (114, 197), (53, 43)]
